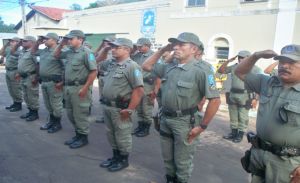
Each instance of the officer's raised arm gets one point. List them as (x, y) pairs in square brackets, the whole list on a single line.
[(102, 54), (14, 49), (58, 50), (247, 64), (223, 67), (153, 59)]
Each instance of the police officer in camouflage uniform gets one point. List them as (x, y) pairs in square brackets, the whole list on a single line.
[(50, 74), (11, 66), (144, 110), (240, 99), (182, 88), (80, 72), (122, 92), (28, 73), (275, 153)]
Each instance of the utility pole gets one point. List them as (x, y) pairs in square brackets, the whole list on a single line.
[(22, 4)]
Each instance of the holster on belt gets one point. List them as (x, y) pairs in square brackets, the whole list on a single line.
[(149, 80)]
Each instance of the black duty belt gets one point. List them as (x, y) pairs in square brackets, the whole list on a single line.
[(178, 113), (25, 75), (118, 103), (74, 83), (278, 150), (11, 69), (237, 90), (54, 78)]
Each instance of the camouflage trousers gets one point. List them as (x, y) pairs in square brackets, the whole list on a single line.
[(14, 86), (30, 92), (177, 153), (118, 132), (277, 168), (78, 109), (238, 114), (52, 98)]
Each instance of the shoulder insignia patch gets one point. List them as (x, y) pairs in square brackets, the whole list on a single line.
[(211, 81)]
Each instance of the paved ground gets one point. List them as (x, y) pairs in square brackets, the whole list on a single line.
[(29, 155)]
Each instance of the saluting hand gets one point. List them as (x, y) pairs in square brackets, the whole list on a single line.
[(194, 133), (168, 47), (232, 59), (64, 42), (295, 175), (265, 54), (40, 41)]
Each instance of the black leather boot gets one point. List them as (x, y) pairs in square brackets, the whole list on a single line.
[(56, 125), (107, 163), (33, 116), (120, 164), (48, 124), (138, 128), (239, 137), (231, 135), (170, 179), (144, 130), (9, 107), (72, 140), (80, 142), (24, 116), (17, 107)]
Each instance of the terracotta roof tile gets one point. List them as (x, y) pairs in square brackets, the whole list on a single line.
[(53, 13)]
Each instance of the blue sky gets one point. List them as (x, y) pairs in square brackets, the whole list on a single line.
[(10, 11)]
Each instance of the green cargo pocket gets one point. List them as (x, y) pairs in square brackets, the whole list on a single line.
[(76, 66), (85, 108), (184, 88), (124, 124)]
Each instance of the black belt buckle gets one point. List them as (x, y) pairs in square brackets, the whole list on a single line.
[(290, 151)]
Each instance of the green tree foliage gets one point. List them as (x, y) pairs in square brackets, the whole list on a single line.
[(6, 28), (75, 7)]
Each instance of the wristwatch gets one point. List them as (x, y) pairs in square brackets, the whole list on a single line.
[(203, 126)]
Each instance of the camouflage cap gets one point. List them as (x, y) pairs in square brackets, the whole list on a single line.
[(244, 53), (187, 37), (29, 38), (291, 52), (109, 39), (143, 41), (14, 39), (75, 33), (122, 42), (52, 35)]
